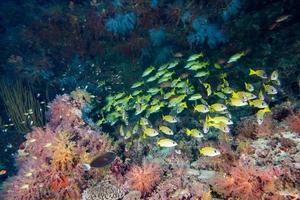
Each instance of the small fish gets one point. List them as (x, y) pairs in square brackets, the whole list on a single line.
[(282, 18), (208, 88), (3, 172), (202, 74), (209, 151), (165, 142), (198, 66), (258, 103), (236, 57), (154, 91), (227, 90), (166, 130), (260, 73), (270, 89), (173, 64), (201, 108), (217, 66), (137, 84), (194, 133), (260, 115), (181, 107), (178, 55), (244, 95), (150, 79), (169, 118), (218, 107), (195, 57), (221, 126), (261, 95), (169, 94), (249, 87), (137, 92), (103, 160), (220, 95), (274, 75), (144, 121), (151, 132), (219, 119), (176, 100), (148, 71), (195, 97)]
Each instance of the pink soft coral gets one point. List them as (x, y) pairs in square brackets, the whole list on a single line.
[(51, 159), (244, 182), (144, 178)]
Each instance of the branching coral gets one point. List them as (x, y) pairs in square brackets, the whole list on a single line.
[(232, 9), (145, 177), (245, 182)]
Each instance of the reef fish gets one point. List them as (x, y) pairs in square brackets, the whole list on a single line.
[(209, 151), (165, 142), (102, 160)]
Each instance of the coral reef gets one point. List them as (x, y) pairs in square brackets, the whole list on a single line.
[(121, 23), (52, 159)]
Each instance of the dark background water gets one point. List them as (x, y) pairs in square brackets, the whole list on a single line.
[(52, 47)]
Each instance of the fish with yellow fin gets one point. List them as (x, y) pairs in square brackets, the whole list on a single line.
[(166, 142), (151, 132), (201, 108), (260, 115), (194, 133), (249, 87), (209, 151), (260, 73), (217, 107), (270, 89), (166, 130), (148, 71), (169, 118), (258, 103)]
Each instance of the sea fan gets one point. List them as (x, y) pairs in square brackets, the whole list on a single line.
[(121, 23), (204, 32), (232, 9), (144, 178)]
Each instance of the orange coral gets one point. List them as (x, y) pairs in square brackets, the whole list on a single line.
[(293, 122), (244, 182), (64, 156), (144, 178)]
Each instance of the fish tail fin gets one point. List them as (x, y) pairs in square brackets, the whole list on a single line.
[(251, 72)]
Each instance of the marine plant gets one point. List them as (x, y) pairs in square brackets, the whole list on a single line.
[(21, 105), (144, 178), (51, 160)]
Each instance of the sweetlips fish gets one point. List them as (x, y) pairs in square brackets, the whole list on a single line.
[(166, 130), (169, 118)]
